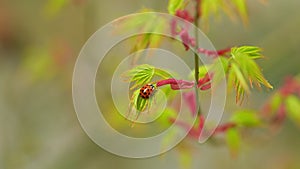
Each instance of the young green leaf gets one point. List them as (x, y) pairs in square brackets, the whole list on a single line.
[(275, 102), (140, 103), (142, 24), (247, 118), (244, 56), (230, 8), (241, 9), (162, 73), (244, 71), (137, 102), (240, 79), (143, 74), (140, 75), (175, 5), (253, 52), (233, 141), (293, 108)]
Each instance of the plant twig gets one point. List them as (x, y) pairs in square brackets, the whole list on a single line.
[(196, 58)]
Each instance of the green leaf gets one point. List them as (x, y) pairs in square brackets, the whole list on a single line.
[(293, 108), (143, 74), (275, 102), (232, 9), (233, 141), (174, 5), (153, 40), (137, 22), (244, 57), (253, 52), (241, 9), (140, 103), (152, 24), (239, 76), (140, 75), (247, 118), (244, 71), (162, 73), (237, 80)]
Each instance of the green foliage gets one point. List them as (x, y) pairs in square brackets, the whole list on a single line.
[(246, 118), (138, 22), (233, 141), (174, 5), (244, 71), (143, 23), (231, 8), (149, 40), (141, 75), (162, 73), (140, 103), (236, 79), (293, 108), (275, 102), (239, 65), (253, 52), (241, 9)]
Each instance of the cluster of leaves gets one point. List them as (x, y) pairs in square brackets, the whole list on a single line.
[(139, 76), (240, 66), (213, 8), (238, 63), (285, 103), (243, 71), (292, 104), (232, 8), (240, 119), (146, 40)]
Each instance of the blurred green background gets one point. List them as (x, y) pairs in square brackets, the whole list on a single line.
[(39, 43)]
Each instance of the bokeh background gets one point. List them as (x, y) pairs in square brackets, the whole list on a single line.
[(39, 43)]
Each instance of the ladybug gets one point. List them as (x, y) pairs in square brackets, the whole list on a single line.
[(147, 90)]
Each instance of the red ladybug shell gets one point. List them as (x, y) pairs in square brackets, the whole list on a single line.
[(146, 91)]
